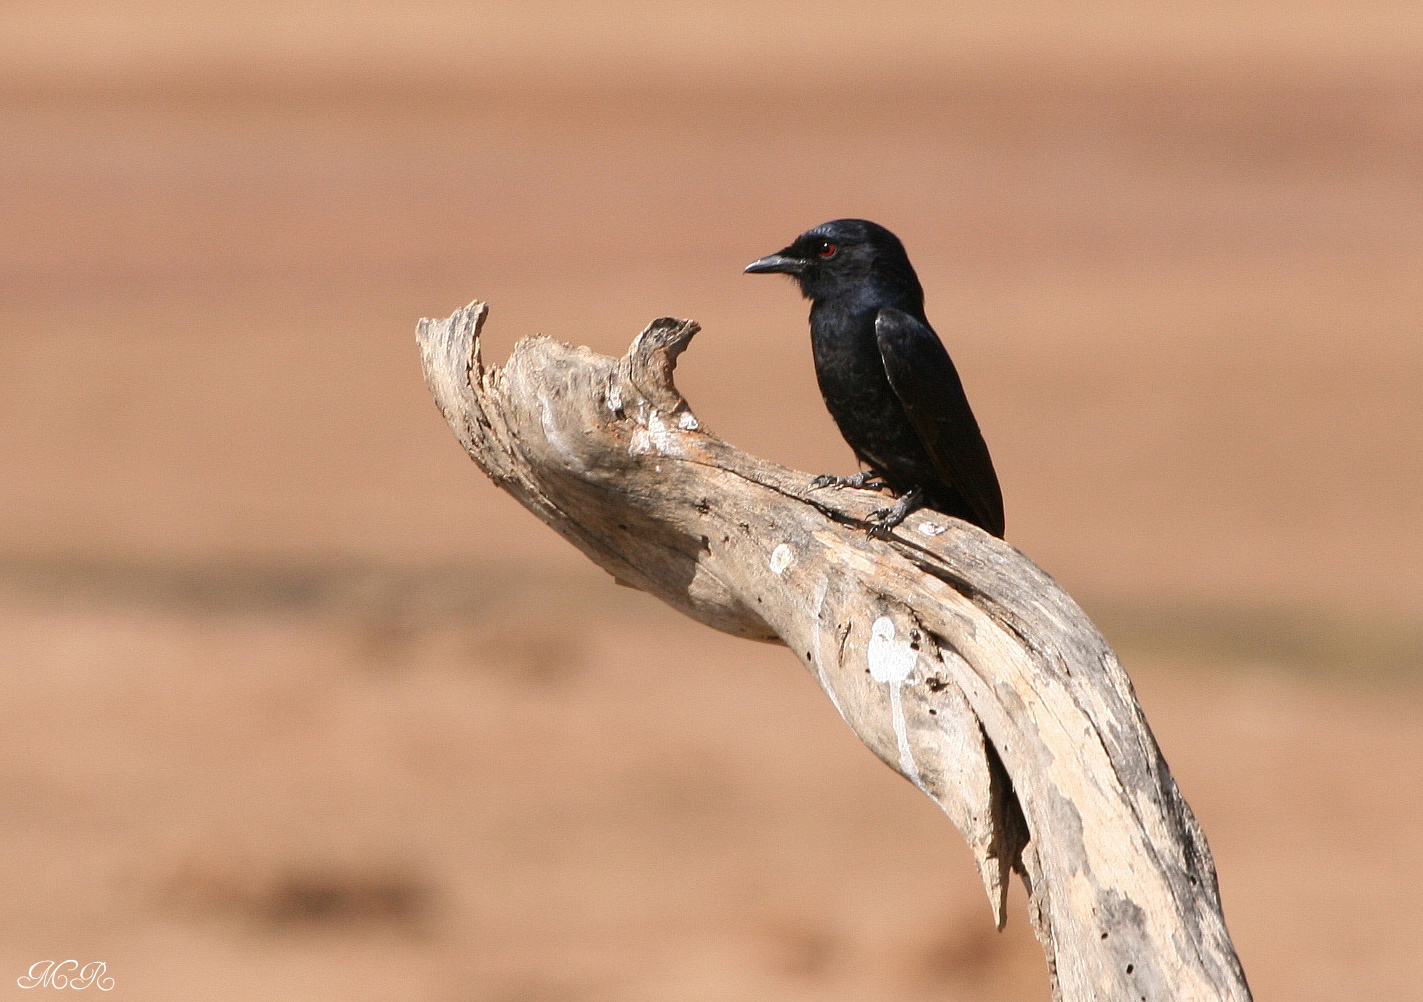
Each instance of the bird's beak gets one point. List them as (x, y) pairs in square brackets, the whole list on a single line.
[(776, 263)]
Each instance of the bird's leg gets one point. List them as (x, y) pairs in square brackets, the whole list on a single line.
[(884, 519), (860, 481)]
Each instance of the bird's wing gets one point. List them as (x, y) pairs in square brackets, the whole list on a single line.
[(927, 384)]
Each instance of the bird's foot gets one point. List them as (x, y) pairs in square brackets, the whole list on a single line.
[(882, 520), (859, 481)]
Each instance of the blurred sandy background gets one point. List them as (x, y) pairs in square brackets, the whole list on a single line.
[(300, 707)]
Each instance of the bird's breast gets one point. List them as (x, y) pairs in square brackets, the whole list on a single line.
[(857, 392), (847, 361)]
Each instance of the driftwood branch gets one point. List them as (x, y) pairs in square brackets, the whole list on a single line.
[(953, 656)]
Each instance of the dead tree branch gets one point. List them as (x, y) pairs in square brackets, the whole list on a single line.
[(953, 656)]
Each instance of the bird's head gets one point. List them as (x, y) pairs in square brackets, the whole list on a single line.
[(846, 257)]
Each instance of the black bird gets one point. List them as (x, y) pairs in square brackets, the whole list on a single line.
[(885, 376)]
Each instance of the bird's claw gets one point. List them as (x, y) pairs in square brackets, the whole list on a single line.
[(859, 481), (884, 520)]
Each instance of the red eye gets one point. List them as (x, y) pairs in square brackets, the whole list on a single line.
[(827, 249)]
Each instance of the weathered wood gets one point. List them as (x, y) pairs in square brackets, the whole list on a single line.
[(953, 656)]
